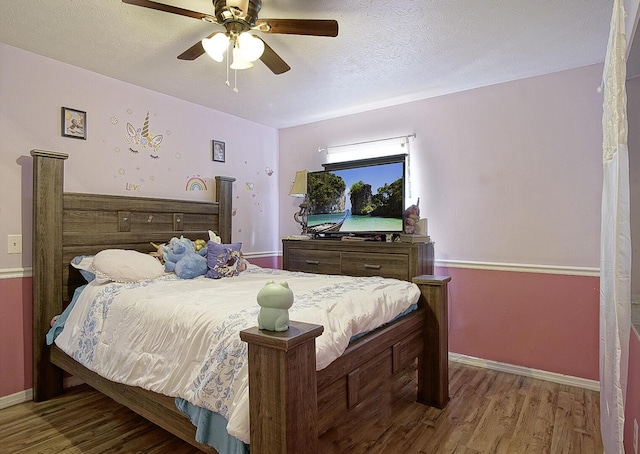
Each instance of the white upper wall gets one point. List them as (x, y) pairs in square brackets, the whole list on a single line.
[(510, 173), (34, 88)]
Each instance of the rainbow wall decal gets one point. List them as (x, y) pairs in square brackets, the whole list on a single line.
[(196, 184)]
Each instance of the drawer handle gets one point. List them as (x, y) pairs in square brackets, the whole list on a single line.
[(372, 267), (312, 262)]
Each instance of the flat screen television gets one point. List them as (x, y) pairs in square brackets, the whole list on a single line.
[(357, 197)]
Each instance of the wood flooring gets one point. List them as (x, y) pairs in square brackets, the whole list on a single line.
[(489, 412)]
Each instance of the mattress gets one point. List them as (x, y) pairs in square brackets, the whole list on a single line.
[(181, 337)]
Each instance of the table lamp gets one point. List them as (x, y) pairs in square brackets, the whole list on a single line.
[(299, 189)]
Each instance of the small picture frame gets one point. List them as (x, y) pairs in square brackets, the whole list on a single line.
[(74, 123), (218, 151)]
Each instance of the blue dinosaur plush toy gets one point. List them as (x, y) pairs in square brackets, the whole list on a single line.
[(180, 257)]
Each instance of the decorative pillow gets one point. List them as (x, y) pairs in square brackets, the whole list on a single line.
[(223, 260), (83, 264), (121, 265)]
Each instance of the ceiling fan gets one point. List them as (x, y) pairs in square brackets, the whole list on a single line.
[(238, 17)]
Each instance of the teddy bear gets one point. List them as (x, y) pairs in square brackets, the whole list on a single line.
[(411, 218), (180, 257), (275, 301)]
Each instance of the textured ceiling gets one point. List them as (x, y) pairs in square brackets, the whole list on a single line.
[(386, 52)]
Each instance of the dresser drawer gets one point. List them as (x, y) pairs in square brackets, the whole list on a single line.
[(374, 264), (358, 258), (311, 261)]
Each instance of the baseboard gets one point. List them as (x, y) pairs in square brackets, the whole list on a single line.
[(27, 394), (16, 398), (578, 382), (593, 385), (70, 382)]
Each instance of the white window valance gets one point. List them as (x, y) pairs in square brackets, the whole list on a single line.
[(378, 148), (368, 149)]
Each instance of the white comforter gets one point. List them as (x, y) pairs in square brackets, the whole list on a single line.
[(180, 337)]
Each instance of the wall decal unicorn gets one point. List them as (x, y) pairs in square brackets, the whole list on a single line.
[(143, 137)]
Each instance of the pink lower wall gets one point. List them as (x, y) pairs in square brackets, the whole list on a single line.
[(15, 338), (548, 322), (15, 335), (632, 408), (540, 321), (267, 262)]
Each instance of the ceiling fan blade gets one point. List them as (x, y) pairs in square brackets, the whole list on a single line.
[(194, 51), (171, 9), (313, 27), (272, 60)]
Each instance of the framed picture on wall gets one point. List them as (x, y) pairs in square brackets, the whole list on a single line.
[(74, 123), (218, 151)]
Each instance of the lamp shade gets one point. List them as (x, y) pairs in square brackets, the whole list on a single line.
[(216, 46), (250, 47), (238, 61), (299, 188)]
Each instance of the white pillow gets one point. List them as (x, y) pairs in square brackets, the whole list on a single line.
[(83, 264), (121, 265)]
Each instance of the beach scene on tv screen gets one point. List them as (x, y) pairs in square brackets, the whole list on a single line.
[(362, 199)]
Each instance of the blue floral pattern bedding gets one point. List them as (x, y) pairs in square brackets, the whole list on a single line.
[(181, 337)]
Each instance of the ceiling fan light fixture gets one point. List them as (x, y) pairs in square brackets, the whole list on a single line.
[(238, 61), (250, 47), (216, 46), (240, 4), (237, 17)]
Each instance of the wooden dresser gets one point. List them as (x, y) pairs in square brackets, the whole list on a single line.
[(358, 258)]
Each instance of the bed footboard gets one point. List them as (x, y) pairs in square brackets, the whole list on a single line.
[(283, 407), (433, 364), (291, 404)]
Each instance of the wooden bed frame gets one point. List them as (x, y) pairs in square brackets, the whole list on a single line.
[(291, 404)]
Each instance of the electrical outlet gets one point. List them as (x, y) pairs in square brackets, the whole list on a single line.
[(635, 435), (14, 244)]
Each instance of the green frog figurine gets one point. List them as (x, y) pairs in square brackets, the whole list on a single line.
[(275, 301)]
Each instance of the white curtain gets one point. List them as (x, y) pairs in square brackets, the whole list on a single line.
[(615, 244)]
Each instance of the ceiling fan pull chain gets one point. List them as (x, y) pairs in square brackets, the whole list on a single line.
[(227, 82), (235, 81)]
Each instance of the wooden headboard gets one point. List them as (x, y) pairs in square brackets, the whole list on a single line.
[(66, 225)]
